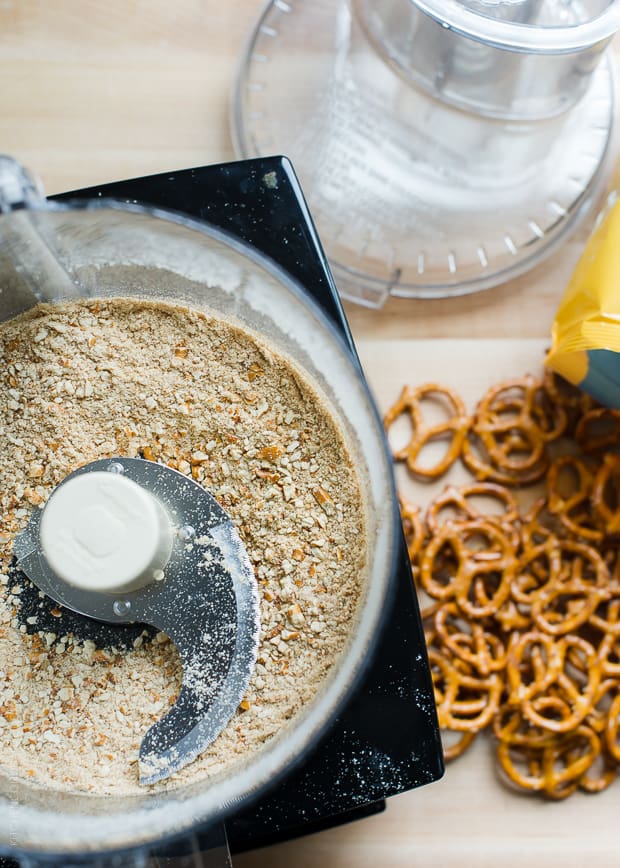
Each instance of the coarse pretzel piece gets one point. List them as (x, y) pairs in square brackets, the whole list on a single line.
[(413, 528), (481, 649), (471, 566), (598, 430), (455, 427), (606, 493), (459, 504)]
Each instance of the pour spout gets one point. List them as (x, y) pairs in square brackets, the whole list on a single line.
[(30, 272)]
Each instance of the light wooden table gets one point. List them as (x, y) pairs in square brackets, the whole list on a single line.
[(92, 92)]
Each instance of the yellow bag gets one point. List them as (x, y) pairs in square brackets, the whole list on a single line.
[(586, 332)]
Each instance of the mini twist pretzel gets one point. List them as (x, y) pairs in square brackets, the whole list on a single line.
[(598, 429), (513, 424), (471, 567), (511, 727), (522, 765), (455, 427), (566, 761), (477, 707), (606, 493), (459, 503), (457, 747), (611, 729), (609, 655), (601, 773), (581, 563), (533, 664), (539, 567), (572, 507), (519, 404), (606, 618), (413, 528), (485, 469), (563, 705), (564, 607), (564, 394), (482, 650)]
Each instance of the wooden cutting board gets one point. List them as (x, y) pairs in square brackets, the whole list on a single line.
[(470, 819)]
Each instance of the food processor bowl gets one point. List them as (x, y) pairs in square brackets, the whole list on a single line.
[(99, 248)]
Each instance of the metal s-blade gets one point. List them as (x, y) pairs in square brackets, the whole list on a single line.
[(206, 601), (207, 700)]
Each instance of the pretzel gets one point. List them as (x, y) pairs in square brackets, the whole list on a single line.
[(509, 755), (564, 707), (538, 568), (565, 607), (459, 503), (413, 528), (533, 664), (572, 507), (469, 714), (455, 427), (564, 394), (511, 727), (519, 404), (466, 582), (458, 746), (595, 780), (611, 729), (598, 429), (481, 649), (483, 468), (606, 494), (512, 425), (565, 762)]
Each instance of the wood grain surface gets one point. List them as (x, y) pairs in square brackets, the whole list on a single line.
[(93, 92)]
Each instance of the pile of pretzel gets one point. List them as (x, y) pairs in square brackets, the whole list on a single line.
[(523, 614)]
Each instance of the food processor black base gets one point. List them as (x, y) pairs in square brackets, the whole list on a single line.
[(386, 740)]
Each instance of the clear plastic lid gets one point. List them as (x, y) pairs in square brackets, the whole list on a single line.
[(418, 186)]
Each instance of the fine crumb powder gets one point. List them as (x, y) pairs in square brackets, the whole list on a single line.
[(93, 379)]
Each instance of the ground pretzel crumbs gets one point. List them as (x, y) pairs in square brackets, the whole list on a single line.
[(87, 380)]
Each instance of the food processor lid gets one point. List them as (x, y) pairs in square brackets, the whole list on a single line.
[(491, 27), (416, 194), (195, 583)]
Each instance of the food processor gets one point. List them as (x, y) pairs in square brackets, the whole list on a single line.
[(445, 146), (237, 241)]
